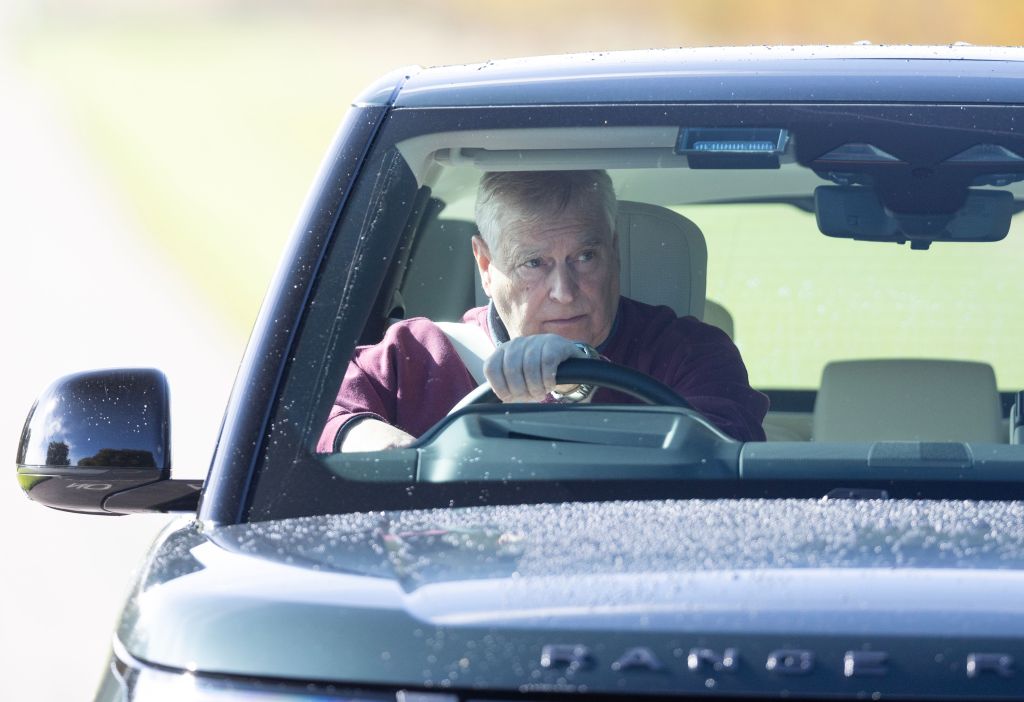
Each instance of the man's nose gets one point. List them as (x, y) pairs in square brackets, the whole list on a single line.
[(563, 284)]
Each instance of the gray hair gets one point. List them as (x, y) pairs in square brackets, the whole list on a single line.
[(507, 196)]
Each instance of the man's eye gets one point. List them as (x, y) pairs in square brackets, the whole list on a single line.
[(532, 263), (586, 256)]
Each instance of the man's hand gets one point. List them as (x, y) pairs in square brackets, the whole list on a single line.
[(523, 369), (373, 435)]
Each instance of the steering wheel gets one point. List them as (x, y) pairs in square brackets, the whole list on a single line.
[(574, 371)]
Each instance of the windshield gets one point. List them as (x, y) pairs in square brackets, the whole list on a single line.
[(823, 290)]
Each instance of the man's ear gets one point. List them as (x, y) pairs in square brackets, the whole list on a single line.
[(483, 260), (482, 254)]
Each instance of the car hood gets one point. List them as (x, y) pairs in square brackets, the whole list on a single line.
[(734, 596)]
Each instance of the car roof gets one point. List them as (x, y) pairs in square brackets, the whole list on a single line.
[(859, 73)]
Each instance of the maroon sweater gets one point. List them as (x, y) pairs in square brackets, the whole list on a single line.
[(414, 376)]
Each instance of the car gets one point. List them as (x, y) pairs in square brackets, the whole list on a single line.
[(847, 216)]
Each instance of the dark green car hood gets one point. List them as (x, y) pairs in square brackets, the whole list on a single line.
[(473, 598)]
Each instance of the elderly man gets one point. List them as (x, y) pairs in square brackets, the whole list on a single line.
[(549, 262)]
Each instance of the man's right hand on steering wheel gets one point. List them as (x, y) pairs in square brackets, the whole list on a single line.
[(523, 369)]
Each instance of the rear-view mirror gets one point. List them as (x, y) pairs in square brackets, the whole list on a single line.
[(856, 212)]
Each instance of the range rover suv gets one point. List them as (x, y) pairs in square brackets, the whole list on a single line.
[(848, 217)]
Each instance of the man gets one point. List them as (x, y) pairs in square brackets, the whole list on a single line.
[(549, 262)]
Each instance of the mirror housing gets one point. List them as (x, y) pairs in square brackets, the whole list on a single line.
[(99, 443), (857, 212)]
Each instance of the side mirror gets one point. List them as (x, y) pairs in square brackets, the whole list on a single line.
[(99, 443)]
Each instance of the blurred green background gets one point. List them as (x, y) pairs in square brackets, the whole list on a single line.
[(210, 117)]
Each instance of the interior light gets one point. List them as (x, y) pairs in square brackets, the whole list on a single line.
[(732, 140), (732, 147)]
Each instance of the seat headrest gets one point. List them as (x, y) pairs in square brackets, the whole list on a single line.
[(908, 400), (663, 259), (716, 315)]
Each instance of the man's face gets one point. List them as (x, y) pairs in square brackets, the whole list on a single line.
[(559, 276)]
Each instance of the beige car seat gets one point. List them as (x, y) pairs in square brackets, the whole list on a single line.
[(908, 400), (664, 258), (716, 315)]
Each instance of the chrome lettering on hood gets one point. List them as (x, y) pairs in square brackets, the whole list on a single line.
[(638, 659), (790, 661), (782, 662), (856, 663), (704, 659), (997, 663)]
